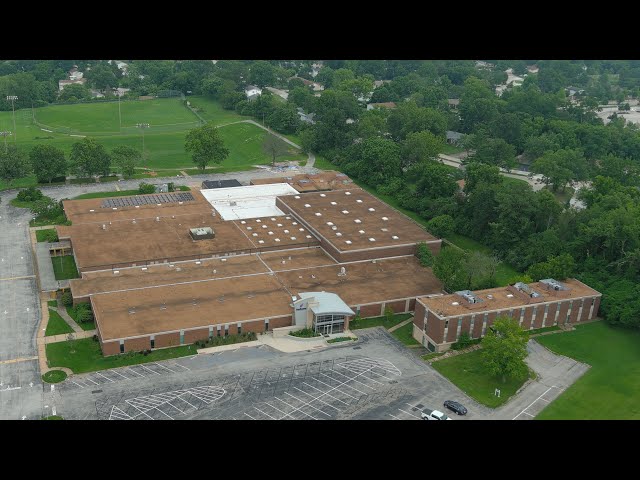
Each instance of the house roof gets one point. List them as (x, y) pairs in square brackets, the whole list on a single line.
[(384, 105), (328, 303), (451, 135), (454, 101)]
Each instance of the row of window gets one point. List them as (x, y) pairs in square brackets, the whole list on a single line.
[(584, 303)]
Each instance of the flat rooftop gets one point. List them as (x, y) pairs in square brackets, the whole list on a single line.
[(249, 289), (497, 298), (92, 210), (150, 239), (311, 182), (252, 201), (275, 231), (352, 219), (190, 305)]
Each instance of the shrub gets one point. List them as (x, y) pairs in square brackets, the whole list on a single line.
[(67, 299), (51, 236), (95, 338), (464, 341), (171, 186), (30, 194), (83, 313), (304, 333), (388, 314), (146, 188)]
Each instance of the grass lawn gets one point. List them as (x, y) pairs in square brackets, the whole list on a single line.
[(610, 389), (212, 111), (404, 334), (85, 356), (451, 149), (340, 339), (467, 373), (56, 325), (54, 376), (52, 303), (83, 325), (53, 417), (378, 321), (19, 182), (121, 193), (64, 267), (21, 204), (562, 197), (504, 271), (41, 235)]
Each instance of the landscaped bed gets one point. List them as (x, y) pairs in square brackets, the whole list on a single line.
[(227, 340), (340, 339), (85, 356), (47, 235), (467, 372), (83, 325), (54, 376), (304, 333)]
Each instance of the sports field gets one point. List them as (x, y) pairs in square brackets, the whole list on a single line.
[(111, 126)]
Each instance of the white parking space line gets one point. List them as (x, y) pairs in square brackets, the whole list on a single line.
[(256, 408), (98, 373), (411, 414), (152, 371), (322, 393), (394, 416), (315, 398), (285, 414), (87, 378), (181, 366), (524, 409), (355, 380), (345, 384), (118, 373), (77, 384), (308, 404), (162, 366), (249, 416), (291, 406), (133, 371), (171, 404), (335, 388)]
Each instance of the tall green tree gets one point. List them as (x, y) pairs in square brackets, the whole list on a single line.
[(419, 147), (48, 162), (447, 267), (274, 147), (262, 74), (13, 164), (504, 348), (125, 159), (205, 146), (89, 158), (560, 167)]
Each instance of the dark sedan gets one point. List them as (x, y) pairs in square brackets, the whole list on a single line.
[(455, 407)]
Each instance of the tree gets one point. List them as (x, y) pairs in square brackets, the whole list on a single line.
[(479, 270), (46, 207), (419, 147), (434, 180), (447, 268), (48, 162), (125, 158), (146, 188), (408, 118), (206, 146), (495, 151), (504, 349), (376, 161), (388, 314), (425, 257), (101, 77), (89, 158), (441, 226), (284, 119), (74, 92), (274, 147), (558, 267), (621, 304), (262, 74), (477, 173), (560, 167), (13, 164)]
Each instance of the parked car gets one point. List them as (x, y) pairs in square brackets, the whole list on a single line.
[(428, 414), (455, 407)]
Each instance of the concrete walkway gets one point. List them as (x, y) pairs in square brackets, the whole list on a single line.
[(48, 282), (289, 344), (62, 311), (400, 325), (65, 337)]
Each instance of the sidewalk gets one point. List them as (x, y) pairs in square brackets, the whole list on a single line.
[(400, 325), (290, 344), (65, 337), (62, 311)]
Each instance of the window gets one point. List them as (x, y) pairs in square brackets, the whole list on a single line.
[(226, 330), (121, 346), (153, 341), (239, 328), (219, 331), (266, 325), (181, 337), (446, 324)]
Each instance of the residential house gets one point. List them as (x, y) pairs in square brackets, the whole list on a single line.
[(387, 105), (532, 68), (453, 103), (454, 138), (252, 92)]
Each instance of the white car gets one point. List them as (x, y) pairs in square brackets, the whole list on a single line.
[(433, 415)]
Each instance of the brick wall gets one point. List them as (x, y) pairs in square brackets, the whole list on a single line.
[(257, 326), (596, 307), (137, 344), (191, 336), (397, 307), (551, 315), (477, 326), (491, 317), (562, 316), (370, 310), (585, 309), (280, 322), (539, 316), (418, 317), (167, 340), (110, 348), (528, 314), (453, 328), (412, 304), (466, 324), (435, 328), (575, 311)]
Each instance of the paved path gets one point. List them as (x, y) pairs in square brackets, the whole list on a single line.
[(62, 311), (66, 336), (400, 325), (555, 373)]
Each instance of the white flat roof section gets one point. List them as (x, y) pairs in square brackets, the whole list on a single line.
[(252, 201)]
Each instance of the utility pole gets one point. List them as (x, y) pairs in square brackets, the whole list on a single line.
[(142, 126), (5, 134), (13, 98), (119, 113)]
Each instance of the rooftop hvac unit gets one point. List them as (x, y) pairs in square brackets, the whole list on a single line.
[(202, 233), (343, 272)]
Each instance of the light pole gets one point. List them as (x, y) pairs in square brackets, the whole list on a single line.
[(119, 113), (5, 134), (13, 98), (142, 126)]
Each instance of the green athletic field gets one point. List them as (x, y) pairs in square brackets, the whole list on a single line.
[(169, 122)]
